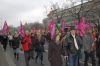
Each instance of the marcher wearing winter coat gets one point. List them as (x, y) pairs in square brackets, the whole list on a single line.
[(5, 41), (15, 46), (64, 49), (26, 43), (98, 48), (40, 49), (55, 52), (32, 46), (88, 42), (74, 43)]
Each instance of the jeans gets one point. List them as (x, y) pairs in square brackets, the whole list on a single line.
[(27, 57), (73, 60), (92, 56)]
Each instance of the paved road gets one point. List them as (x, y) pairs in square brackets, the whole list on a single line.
[(7, 58), (3, 61), (21, 61)]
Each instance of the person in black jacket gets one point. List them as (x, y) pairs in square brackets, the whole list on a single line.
[(98, 48), (74, 43), (5, 41), (1, 37), (40, 49), (32, 46), (15, 46)]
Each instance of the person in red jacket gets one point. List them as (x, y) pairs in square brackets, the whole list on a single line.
[(26, 43)]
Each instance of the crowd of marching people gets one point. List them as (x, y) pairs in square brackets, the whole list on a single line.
[(31, 43), (67, 46)]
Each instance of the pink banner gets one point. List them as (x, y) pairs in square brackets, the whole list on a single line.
[(5, 28), (81, 27), (21, 30), (53, 29)]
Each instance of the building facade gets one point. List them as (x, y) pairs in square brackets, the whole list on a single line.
[(91, 8)]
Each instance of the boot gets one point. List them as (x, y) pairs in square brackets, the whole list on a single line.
[(15, 55)]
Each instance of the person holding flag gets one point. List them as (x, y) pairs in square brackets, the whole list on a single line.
[(40, 48), (5, 41), (26, 46), (98, 48), (54, 48), (15, 45), (55, 51), (5, 32), (88, 43)]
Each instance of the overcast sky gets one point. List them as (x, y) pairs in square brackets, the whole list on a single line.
[(14, 11)]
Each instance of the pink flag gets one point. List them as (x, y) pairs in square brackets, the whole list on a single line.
[(53, 29), (81, 27), (50, 26), (87, 26), (62, 26), (21, 30), (5, 28)]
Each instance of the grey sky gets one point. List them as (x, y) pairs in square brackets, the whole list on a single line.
[(14, 11), (25, 10)]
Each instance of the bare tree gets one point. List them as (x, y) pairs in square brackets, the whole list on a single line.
[(55, 8), (56, 11), (96, 14), (77, 11)]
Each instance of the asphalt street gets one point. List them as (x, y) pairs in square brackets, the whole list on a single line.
[(7, 58)]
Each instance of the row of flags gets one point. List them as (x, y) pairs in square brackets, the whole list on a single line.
[(21, 30), (82, 26), (52, 27)]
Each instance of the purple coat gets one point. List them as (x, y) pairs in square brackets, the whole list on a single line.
[(54, 54)]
